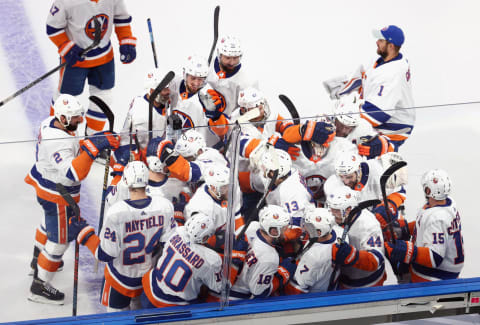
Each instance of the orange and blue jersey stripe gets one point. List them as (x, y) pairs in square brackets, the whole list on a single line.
[(127, 286), (47, 190)]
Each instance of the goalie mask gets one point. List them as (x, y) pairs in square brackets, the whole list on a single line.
[(273, 219), (135, 174), (340, 201), (189, 144), (318, 222), (436, 184), (252, 100), (199, 228), (68, 106), (217, 177)]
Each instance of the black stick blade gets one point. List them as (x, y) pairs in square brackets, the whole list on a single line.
[(291, 108)]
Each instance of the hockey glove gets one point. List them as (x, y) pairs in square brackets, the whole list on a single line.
[(239, 251), (179, 207), (344, 254), (381, 214), (401, 231), (100, 141), (292, 233), (217, 240), (71, 53), (121, 157), (372, 147), (286, 270), (163, 149), (128, 53), (320, 132), (81, 229), (175, 122), (213, 103), (401, 252), (280, 143)]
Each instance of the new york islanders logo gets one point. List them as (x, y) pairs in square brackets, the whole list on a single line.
[(90, 26)]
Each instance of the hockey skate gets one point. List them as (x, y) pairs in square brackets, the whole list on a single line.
[(44, 293)]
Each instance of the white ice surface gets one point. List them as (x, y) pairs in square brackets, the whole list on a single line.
[(291, 47)]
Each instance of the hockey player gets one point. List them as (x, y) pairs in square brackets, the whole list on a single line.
[(386, 88), (289, 190), (349, 125), (60, 159), (211, 198), (70, 27), (315, 266), (191, 108), (138, 113), (227, 75), (133, 230), (363, 262), (178, 283), (435, 251), (364, 177), (263, 273)]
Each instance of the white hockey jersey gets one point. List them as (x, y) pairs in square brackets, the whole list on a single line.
[(387, 86), (439, 228), (203, 201), (137, 122), (292, 194), (259, 268), (316, 172), (130, 233), (369, 185), (365, 234), (55, 152), (315, 267), (181, 271), (230, 85), (190, 110), (74, 17)]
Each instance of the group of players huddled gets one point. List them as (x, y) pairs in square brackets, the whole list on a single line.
[(163, 237)]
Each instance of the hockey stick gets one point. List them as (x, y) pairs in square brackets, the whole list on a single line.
[(108, 112), (149, 23), (216, 15), (291, 108), (76, 212), (97, 37), (164, 83), (351, 218), (383, 183), (263, 200)]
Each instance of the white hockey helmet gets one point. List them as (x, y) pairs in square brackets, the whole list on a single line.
[(318, 219), (68, 106), (250, 98), (229, 46), (438, 184), (342, 198), (189, 143), (196, 66), (217, 177), (153, 78), (273, 216), (199, 228), (135, 174), (347, 163), (273, 156), (347, 110)]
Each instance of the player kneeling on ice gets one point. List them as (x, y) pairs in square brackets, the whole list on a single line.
[(60, 159), (133, 231), (263, 272), (179, 282), (362, 262), (315, 266), (435, 251)]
